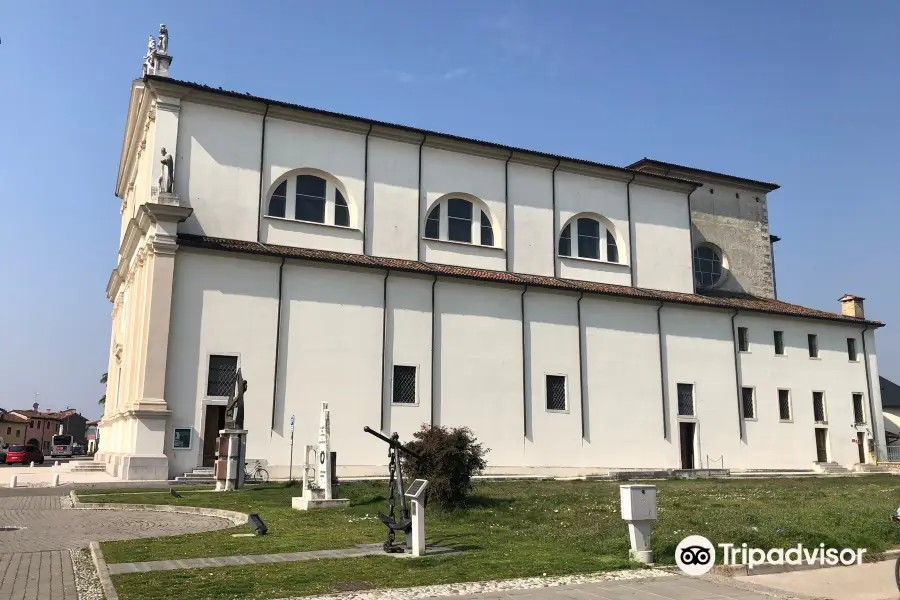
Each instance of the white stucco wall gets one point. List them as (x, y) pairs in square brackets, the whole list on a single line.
[(331, 350), (217, 170), (662, 239), (218, 175)]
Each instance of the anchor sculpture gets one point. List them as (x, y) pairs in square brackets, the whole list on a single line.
[(395, 492)]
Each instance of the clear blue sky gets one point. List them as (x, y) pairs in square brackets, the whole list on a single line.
[(803, 93)]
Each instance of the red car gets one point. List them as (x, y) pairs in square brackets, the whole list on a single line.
[(24, 455)]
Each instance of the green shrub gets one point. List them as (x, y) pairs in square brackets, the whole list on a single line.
[(449, 459)]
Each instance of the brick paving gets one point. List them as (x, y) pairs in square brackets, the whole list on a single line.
[(37, 576), (48, 527), (35, 563)]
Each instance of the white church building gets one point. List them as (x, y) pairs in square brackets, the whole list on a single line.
[(578, 317)]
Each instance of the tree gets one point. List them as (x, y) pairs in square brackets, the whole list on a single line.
[(103, 381)]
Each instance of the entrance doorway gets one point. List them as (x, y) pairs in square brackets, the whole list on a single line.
[(861, 445), (821, 445), (686, 431), (215, 422)]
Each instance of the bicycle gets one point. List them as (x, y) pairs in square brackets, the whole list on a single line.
[(257, 474)]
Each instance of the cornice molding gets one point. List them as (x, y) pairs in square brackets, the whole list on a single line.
[(138, 112)]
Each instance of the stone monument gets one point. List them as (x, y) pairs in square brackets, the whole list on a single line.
[(232, 442), (157, 60), (318, 474)]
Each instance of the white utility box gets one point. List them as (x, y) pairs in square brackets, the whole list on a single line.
[(639, 511), (638, 502)]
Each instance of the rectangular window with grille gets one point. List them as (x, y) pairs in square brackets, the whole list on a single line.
[(851, 349), (819, 415), (859, 413), (221, 376), (743, 339), (779, 342), (685, 400), (556, 392), (784, 405), (747, 403), (812, 340), (404, 385)]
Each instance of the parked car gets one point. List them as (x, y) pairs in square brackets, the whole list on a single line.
[(24, 455)]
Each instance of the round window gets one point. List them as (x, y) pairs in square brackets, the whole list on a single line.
[(709, 266)]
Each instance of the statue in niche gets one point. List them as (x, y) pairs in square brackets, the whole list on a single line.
[(167, 177), (234, 412), (163, 46)]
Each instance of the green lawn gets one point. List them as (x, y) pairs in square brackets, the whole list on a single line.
[(512, 529)]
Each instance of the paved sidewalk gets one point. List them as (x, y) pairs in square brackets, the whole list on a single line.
[(869, 581), (35, 562), (37, 576), (259, 559), (664, 588)]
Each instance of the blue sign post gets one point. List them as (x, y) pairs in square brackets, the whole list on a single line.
[(291, 464)]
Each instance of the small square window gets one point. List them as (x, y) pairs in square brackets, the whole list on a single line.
[(556, 392), (181, 438), (685, 400), (784, 405), (779, 343), (851, 349), (859, 412), (404, 391), (221, 376), (747, 403), (743, 339), (812, 341)]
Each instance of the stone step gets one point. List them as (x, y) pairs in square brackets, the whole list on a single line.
[(89, 467), (194, 480)]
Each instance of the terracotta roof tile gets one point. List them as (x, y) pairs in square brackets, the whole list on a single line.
[(752, 304), (415, 130)]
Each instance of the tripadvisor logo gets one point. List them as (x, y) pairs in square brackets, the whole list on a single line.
[(695, 555)]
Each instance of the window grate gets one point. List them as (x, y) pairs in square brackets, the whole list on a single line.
[(747, 403), (859, 415), (818, 407), (685, 400), (404, 385), (743, 340), (556, 392), (779, 342), (812, 340), (784, 405), (222, 375)]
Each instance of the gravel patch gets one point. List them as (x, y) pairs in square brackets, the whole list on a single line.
[(65, 502), (86, 580), (486, 587)]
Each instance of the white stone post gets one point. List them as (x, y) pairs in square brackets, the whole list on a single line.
[(56, 480), (416, 495), (325, 452), (12, 481), (639, 511), (233, 476)]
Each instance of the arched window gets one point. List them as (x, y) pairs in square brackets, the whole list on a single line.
[(466, 221), (594, 240), (317, 198), (709, 265)]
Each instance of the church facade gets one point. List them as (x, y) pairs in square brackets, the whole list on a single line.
[(578, 317)]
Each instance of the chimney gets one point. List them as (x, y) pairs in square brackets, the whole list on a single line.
[(852, 306)]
